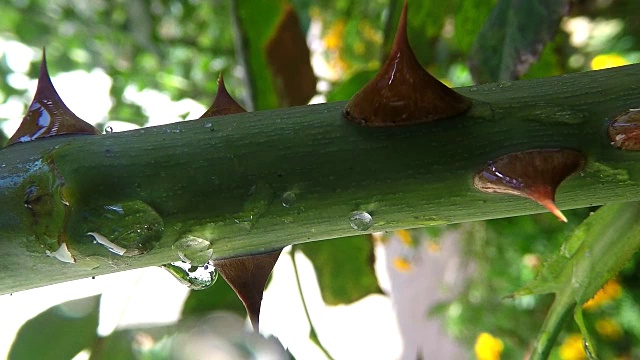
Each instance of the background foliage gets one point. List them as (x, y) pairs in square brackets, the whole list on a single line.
[(178, 47)]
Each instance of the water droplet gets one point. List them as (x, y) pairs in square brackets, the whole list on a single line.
[(193, 250), (360, 220), (108, 130), (195, 277), (207, 124), (288, 199), (473, 89), (129, 229)]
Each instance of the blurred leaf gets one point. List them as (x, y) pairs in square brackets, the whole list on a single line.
[(3, 138), (346, 89), (469, 17), (289, 60), (220, 296), (60, 332), (596, 252), (273, 48), (513, 38), (118, 345), (344, 267)]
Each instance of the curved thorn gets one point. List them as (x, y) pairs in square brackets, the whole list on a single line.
[(535, 174), (403, 92), (48, 115), (223, 104)]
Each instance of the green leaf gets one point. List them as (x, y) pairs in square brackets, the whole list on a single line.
[(60, 332), (346, 89), (344, 268), (425, 20), (118, 345), (220, 296), (513, 38), (596, 252)]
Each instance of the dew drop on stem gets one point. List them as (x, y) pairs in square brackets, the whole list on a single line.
[(288, 199), (360, 220)]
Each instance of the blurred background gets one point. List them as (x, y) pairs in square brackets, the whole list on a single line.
[(434, 293)]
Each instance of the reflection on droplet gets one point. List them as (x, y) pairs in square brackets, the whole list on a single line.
[(288, 199), (99, 239), (195, 277), (63, 254), (133, 226), (117, 208), (360, 220), (193, 250), (624, 130), (108, 130)]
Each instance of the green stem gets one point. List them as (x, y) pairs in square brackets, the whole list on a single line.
[(312, 331), (222, 179)]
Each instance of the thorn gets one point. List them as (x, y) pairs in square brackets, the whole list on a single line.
[(223, 104), (551, 206), (535, 174), (248, 277), (403, 92), (48, 115)]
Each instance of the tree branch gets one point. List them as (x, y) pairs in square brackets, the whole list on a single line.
[(222, 179)]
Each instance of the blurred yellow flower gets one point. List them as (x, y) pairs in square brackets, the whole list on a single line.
[(401, 264), (608, 328), (605, 61), (335, 34), (609, 292), (488, 347), (433, 247), (405, 237), (572, 349)]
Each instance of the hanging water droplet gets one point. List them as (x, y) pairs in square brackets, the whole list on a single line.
[(108, 130), (193, 250), (360, 220), (195, 277), (288, 199)]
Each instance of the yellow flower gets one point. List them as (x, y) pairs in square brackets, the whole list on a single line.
[(605, 61), (608, 328), (488, 347), (609, 292), (401, 264), (571, 348), (405, 237), (334, 36), (433, 247)]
